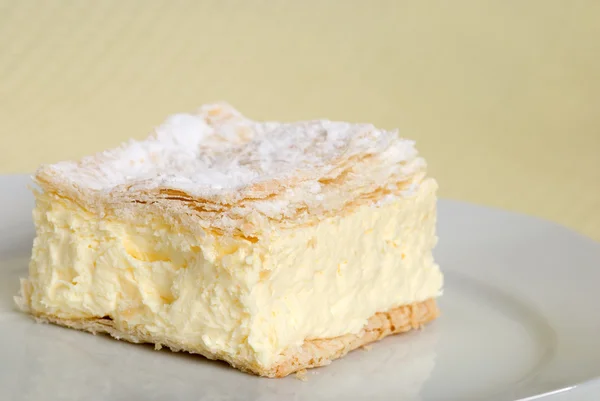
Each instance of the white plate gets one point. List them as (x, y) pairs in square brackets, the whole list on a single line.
[(520, 319)]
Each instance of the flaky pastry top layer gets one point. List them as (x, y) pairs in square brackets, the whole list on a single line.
[(233, 174)]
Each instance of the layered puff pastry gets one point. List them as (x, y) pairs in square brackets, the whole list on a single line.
[(273, 246)]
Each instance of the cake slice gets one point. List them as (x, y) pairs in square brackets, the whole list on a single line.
[(273, 246)]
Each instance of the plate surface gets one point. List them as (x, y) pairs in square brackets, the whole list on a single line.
[(520, 319)]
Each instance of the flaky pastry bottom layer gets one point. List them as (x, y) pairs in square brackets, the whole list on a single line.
[(313, 353)]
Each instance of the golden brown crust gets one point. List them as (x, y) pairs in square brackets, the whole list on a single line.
[(240, 176), (313, 353)]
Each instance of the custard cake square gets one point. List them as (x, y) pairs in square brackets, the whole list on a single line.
[(273, 246)]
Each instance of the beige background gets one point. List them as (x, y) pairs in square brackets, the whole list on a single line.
[(503, 97)]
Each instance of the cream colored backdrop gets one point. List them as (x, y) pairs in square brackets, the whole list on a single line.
[(503, 97)]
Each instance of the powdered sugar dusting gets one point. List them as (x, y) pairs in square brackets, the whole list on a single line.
[(241, 171), (218, 151)]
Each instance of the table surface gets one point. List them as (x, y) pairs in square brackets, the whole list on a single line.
[(502, 97)]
